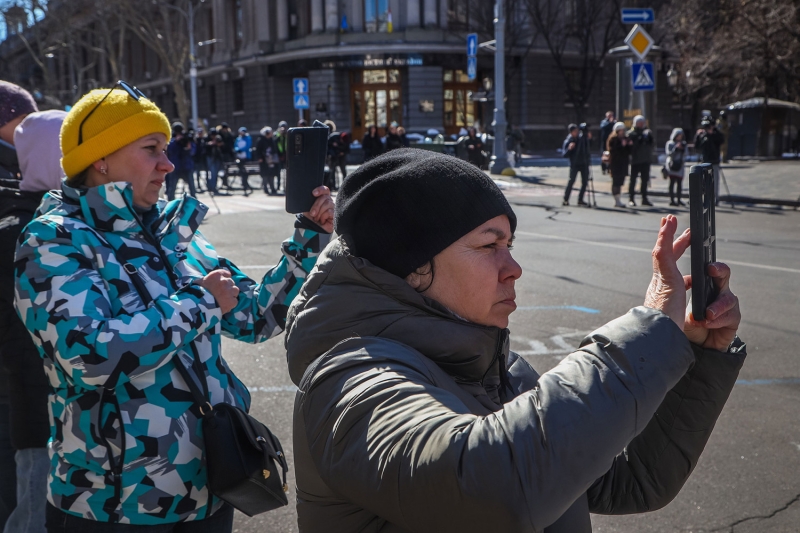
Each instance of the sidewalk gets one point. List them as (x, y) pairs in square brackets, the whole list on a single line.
[(751, 182)]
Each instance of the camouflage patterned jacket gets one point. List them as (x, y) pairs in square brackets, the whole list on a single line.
[(126, 445)]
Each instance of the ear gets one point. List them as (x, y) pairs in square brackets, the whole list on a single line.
[(100, 164), (414, 280)]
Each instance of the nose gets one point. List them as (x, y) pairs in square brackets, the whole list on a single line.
[(511, 270), (164, 164)]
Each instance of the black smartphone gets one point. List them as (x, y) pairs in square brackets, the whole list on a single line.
[(704, 241), (305, 165)]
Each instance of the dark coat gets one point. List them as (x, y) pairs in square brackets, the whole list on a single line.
[(708, 144), (27, 384), (642, 150), (409, 419), (620, 156), (578, 155), (474, 147), (373, 147)]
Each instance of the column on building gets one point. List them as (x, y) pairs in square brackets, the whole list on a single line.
[(331, 16), (317, 18), (220, 20), (262, 22), (431, 15), (412, 14), (282, 20)]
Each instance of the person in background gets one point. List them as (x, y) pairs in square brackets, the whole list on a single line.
[(267, 154), (37, 142), (674, 165), (280, 141), (372, 144), (606, 129), (576, 149), (181, 153), (228, 139), (214, 162), (619, 148), (242, 147), (393, 141), (16, 104), (200, 164), (404, 141), (516, 140), (116, 288), (302, 123), (641, 157), (707, 142), (474, 146)]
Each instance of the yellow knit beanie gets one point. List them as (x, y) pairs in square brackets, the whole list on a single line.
[(118, 121)]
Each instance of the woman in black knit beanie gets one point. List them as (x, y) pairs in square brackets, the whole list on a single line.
[(414, 416)]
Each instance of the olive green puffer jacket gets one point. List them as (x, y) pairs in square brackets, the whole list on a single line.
[(409, 419)]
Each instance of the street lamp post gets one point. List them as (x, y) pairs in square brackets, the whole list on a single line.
[(500, 157), (193, 66)]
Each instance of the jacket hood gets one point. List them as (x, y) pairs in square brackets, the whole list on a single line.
[(347, 296), (39, 150), (675, 133)]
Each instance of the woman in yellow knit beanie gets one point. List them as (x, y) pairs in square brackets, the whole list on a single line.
[(117, 288)]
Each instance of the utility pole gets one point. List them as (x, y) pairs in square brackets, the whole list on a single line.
[(193, 67), (500, 157)]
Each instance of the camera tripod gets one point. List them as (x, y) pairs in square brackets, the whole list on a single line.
[(725, 182), (592, 197)]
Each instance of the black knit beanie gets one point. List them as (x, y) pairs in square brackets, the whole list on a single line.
[(401, 209)]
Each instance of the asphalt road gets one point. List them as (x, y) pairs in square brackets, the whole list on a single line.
[(582, 268)]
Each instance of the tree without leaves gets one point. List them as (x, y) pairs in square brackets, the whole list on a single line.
[(584, 29), (163, 29)]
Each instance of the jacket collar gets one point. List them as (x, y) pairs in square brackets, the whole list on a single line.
[(109, 207), (347, 296)]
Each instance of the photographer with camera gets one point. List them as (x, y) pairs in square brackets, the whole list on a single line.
[(641, 155), (180, 152), (707, 143), (576, 148)]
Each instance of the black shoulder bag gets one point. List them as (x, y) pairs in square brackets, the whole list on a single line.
[(245, 461)]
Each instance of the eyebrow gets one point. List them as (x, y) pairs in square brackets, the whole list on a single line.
[(500, 234)]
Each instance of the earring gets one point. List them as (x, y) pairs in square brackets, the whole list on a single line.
[(103, 170)]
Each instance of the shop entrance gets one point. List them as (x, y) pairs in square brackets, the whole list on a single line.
[(375, 99), (460, 111)]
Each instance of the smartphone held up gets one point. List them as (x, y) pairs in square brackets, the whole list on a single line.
[(305, 165), (704, 241)]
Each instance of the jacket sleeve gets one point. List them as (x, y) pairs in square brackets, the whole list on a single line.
[(260, 313), (656, 464), (412, 453), (62, 299)]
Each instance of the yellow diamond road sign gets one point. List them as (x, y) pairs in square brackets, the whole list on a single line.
[(639, 41)]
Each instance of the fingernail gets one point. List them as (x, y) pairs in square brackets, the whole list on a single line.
[(313, 212)]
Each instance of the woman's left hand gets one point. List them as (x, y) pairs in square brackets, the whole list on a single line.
[(321, 212), (718, 330)]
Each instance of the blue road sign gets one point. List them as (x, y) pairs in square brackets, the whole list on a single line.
[(301, 101), (300, 85), (472, 67), (638, 15), (472, 44), (643, 77)]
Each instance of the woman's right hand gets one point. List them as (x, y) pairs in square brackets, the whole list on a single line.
[(222, 287)]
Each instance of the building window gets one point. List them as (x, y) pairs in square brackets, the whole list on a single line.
[(212, 99), (376, 99), (573, 80), (458, 14), (238, 95), (376, 15), (459, 108)]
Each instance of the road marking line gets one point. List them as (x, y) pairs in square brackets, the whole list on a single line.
[(588, 310), (285, 388), (648, 251), (775, 381)]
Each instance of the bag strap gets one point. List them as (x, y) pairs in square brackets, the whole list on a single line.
[(200, 399)]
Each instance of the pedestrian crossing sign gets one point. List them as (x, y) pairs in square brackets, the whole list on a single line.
[(643, 77), (301, 101)]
